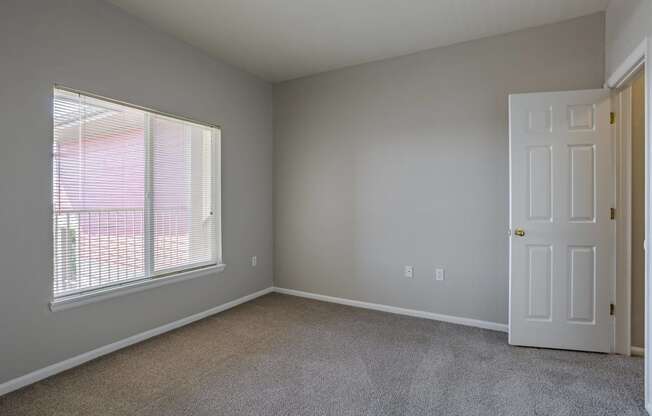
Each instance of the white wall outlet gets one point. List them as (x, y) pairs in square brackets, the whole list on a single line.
[(439, 274), (409, 271), (254, 261)]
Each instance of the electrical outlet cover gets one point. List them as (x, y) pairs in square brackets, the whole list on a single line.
[(409, 271), (439, 274)]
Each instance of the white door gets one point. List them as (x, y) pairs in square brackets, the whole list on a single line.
[(561, 234)]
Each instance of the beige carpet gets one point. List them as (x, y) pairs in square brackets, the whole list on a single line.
[(282, 355)]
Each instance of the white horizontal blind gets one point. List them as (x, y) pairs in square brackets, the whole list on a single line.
[(133, 194), (183, 223)]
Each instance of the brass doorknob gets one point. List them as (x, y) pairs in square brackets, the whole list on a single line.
[(519, 232)]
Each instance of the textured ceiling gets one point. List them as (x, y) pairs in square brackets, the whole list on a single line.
[(284, 39)]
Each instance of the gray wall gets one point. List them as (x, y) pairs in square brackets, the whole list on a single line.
[(404, 162), (628, 22), (90, 45)]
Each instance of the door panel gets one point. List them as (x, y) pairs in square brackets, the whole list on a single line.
[(582, 183), (540, 183), (561, 194), (540, 281), (582, 284)]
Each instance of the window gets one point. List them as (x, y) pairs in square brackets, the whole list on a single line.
[(134, 194)]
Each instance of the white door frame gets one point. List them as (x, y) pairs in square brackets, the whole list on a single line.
[(625, 70)]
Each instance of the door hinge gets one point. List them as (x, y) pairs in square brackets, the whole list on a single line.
[(612, 118), (612, 213), (612, 309)]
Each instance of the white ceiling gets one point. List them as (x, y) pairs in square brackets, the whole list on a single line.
[(284, 39)]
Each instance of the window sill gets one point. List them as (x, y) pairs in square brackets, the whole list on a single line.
[(99, 295)]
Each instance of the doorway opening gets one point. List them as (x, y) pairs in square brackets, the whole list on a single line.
[(628, 104)]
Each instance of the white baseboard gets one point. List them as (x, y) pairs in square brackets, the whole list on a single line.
[(53, 369), (637, 351), (393, 309)]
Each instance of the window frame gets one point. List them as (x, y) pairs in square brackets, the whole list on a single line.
[(172, 275)]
